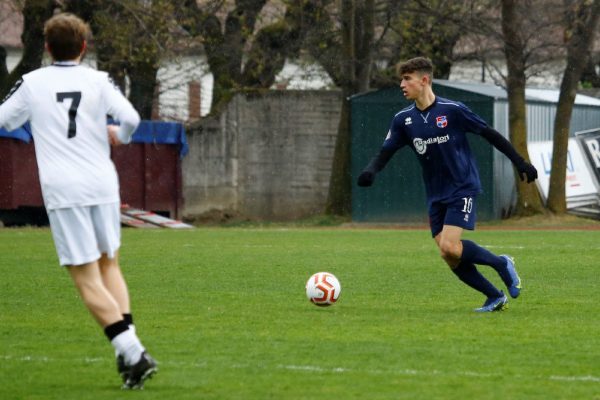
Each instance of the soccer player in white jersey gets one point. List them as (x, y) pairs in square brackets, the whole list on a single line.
[(67, 106)]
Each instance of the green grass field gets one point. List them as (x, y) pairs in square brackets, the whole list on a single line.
[(225, 314)]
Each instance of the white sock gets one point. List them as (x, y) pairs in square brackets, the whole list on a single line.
[(131, 328), (128, 345)]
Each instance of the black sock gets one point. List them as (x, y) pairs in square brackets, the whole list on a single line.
[(128, 318), (476, 254), (113, 330), (467, 273)]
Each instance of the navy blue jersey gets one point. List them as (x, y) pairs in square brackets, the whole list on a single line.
[(437, 135)]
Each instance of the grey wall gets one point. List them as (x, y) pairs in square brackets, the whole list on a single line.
[(266, 156)]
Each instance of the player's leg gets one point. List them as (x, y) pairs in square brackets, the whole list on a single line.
[(77, 249), (450, 246), (448, 240), (463, 214), (107, 225), (503, 265), (114, 281), (101, 304), (75, 241), (105, 309)]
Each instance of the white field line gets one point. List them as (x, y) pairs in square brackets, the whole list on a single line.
[(492, 246), (411, 372), (588, 378), (316, 368)]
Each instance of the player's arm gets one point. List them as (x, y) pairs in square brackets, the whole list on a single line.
[(525, 169), (14, 111), (120, 109), (113, 135), (377, 163), (471, 122)]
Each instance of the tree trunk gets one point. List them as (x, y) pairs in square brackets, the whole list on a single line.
[(528, 197), (89, 11), (3, 70), (224, 46), (35, 13), (585, 21), (357, 43), (339, 197), (143, 84)]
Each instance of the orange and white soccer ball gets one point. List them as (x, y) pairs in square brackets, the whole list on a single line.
[(323, 289)]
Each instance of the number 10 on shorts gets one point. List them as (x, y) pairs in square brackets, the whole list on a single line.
[(467, 207)]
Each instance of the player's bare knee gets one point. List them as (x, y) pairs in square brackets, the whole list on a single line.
[(449, 250)]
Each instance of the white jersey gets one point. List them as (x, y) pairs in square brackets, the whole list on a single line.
[(67, 105)]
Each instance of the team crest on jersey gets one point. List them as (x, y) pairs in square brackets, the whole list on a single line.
[(441, 121)]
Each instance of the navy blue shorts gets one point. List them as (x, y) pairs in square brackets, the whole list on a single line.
[(459, 211)]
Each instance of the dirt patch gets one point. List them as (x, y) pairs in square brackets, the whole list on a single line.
[(216, 217), (550, 222), (538, 222)]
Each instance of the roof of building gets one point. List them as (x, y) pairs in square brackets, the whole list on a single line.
[(531, 94)]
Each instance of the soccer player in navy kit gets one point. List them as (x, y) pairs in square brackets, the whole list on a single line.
[(66, 105), (436, 130)]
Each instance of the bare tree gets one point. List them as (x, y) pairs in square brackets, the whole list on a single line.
[(346, 53), (521, 36), (582, 23), (130, 38), (357, 59), (590, 76), (346, 45), (431, 29), (516, 49), (35, 13), (3, 71), (485, 41), (243, 51)]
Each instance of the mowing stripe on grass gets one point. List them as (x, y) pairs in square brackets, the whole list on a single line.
[(316, 368)]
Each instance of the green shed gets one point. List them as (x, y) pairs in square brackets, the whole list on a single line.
[(398, 194)]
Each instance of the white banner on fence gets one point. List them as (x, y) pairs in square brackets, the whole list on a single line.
[(580, 187)]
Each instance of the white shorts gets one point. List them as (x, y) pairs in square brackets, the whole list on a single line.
[(82, 234)]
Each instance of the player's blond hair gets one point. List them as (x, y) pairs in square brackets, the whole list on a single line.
[(65, 35)]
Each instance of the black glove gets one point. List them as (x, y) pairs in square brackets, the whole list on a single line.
[(528, 171), (366, 178)]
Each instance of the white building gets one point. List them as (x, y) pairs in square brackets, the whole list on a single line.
[(185, 83)]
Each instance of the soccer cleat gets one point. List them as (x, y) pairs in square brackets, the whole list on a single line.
[(511, 278), (494, 304), (139, 372), (122, 368)]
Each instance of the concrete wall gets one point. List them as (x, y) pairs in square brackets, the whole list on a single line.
[(267, 156)]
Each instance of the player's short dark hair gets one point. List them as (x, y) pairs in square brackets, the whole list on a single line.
[(421, 65), (65, 34)]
